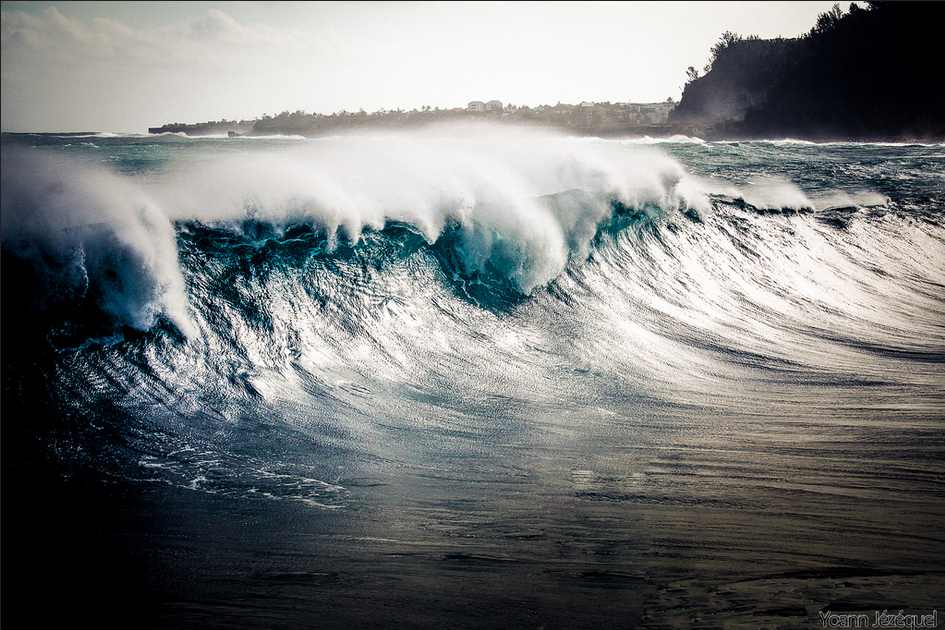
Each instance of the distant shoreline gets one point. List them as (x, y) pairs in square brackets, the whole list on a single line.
[(708, 133), (587, 119), (656, 133)]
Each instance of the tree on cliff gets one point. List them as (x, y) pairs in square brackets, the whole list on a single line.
[(739, 73), (827, 21)]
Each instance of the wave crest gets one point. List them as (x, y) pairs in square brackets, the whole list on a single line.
[(83, 238), (504, 209), (522, 202)]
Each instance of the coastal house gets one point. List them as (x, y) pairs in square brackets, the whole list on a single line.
[(656, 113), (479, 106)]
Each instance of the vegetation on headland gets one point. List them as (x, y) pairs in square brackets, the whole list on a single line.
[(600, 119), (869, 74)]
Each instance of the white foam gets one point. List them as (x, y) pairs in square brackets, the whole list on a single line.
[(526, 198), (494, 182), (91, 218), (767, 193)]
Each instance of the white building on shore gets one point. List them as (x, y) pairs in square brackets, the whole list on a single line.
[(479, 106)]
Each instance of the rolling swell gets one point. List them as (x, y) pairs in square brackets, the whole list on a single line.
[(497, 213), (209, 316), (293, 301)]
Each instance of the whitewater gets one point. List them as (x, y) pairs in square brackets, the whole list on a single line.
[(472, 377)]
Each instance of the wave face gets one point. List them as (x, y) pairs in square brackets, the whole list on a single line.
[(433, 332)]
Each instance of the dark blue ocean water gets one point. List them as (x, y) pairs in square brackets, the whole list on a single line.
[(471, 378)]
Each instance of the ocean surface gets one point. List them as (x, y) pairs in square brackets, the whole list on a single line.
[(471, 377)]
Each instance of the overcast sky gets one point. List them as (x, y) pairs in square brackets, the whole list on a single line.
[(125, 66)]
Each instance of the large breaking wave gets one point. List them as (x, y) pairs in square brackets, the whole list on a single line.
[(506, 211), (348, 287)]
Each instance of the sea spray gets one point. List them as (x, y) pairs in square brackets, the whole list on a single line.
[(521, 201), (90, 234)]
